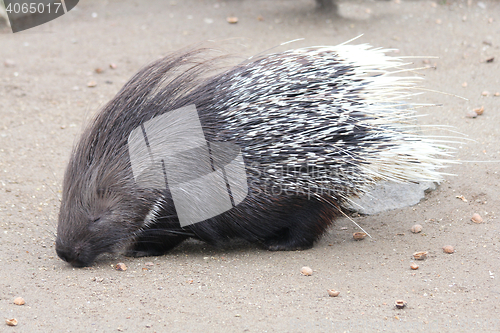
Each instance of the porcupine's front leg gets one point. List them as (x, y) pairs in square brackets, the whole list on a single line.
[(153, 242), (303, 223)]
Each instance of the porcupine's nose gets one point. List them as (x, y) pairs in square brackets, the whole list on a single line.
[(75, 257)]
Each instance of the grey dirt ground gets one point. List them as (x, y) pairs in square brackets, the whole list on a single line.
[(45, 102)]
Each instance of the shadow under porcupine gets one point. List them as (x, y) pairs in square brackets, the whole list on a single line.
[(314, 126)]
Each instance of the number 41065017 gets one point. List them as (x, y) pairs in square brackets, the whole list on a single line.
[(33, 8)]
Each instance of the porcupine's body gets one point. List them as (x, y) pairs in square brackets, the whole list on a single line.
[(315, 126)]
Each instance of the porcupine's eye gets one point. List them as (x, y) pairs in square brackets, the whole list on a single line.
[(95, 223), (98, 222)]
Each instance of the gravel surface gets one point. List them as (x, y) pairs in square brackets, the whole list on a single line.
[(45, 74)]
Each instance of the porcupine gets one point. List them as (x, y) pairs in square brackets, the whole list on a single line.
[(320, 124)]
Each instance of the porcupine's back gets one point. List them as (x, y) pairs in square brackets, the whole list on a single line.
[(323, 119)]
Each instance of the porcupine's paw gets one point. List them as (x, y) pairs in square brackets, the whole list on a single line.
[(289, 240), (300, 227), (133, 252), (151, 243), (289, 247)]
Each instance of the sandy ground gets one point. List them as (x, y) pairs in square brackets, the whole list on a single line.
[(196, 288)]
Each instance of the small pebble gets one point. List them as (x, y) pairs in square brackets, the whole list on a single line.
[(232, 19), (333, 292), (358, 235), (400, 304), (471, 114), (307, 271), (91, 84), (99, 70), (112, 65), (497, 94), (476, 218), (421, 255), (11, 322), (413, 266), (149, 263), (448, 249), (464, 84), (416, 228), (479, 111), (19, 301), (121, 267), (485, 93)]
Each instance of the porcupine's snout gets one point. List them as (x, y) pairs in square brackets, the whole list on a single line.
[(80, 245), (82, 238), (80, 255)]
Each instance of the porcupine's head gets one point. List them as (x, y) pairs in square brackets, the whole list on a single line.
[(101, 207)]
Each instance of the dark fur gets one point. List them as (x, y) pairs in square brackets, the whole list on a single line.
[(103, 210)]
